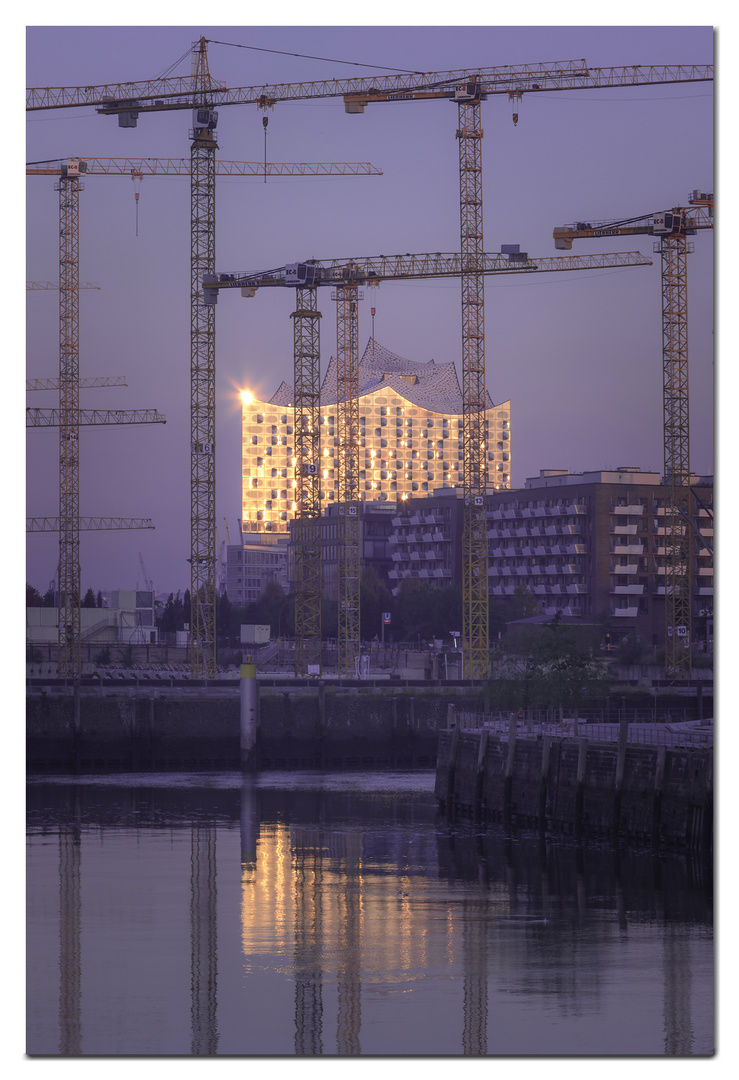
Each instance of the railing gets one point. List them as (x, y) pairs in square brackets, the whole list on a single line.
[(643, 732)]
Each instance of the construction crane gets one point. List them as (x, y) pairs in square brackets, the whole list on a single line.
[(148, 583), (202, 170), (89, 524), (468, 88), (94, 417), (346, 276), (85, 384), (671, 228), (41, 286)]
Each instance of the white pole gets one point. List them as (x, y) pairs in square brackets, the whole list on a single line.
[(248, 733)]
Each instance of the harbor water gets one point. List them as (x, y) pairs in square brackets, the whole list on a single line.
[(313, 913)]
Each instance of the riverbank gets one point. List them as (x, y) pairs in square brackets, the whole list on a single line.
[(607, 785)]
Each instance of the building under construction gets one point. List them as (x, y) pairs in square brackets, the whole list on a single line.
[(410, 438)]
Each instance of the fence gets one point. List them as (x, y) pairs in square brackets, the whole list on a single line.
[(644, 732)]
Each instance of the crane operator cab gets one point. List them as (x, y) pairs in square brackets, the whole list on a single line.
[(666, 223)]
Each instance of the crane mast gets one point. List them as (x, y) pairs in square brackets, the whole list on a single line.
[(307, 526), (348, 526), (672, 227), (202, 377), (475, 649), (69, 575)]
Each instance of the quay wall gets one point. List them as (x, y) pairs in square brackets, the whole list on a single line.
[(656, 794), (320, 727)]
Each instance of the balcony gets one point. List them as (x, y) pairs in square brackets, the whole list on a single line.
[(627, 590), (625, 613), (614, 568), (624, 530)]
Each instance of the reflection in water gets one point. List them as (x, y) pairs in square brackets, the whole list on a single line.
[(70, 921), (307, 867), (203, 941), (474, 1039), (678, 1027), (344, 917), (348, 853)]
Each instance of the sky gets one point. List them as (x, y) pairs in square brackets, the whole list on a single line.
[(579, 355)]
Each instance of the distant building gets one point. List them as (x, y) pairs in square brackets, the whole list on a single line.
[(586, 544), (375, 524), (128, 621), (426, 540), (261, 558), (410, 439), (583, 544)]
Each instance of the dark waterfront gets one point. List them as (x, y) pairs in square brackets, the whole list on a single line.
[(339, 913)]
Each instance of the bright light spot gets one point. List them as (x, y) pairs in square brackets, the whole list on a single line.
[(246, 397)]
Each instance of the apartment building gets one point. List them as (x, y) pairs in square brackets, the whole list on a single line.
[(584, 544), (589, 544), (250, 565)]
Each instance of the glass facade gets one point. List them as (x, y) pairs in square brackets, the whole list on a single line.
[(405, 451)]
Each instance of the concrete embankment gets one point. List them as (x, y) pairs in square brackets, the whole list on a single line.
[(655, 793), (317, 727)]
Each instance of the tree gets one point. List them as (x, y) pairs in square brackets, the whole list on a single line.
[(99, 599), (88, 600), (374, 598), (33, 597), (549, 666), (223, 615), (49, 598)]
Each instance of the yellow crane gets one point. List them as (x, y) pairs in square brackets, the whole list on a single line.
[(202, 422), (41, 286), (346, 276), (671, 229), (467, 88)]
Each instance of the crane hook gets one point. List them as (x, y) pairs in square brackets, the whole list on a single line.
[(136, 177)]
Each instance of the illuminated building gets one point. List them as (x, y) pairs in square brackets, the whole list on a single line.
[(410, 438)]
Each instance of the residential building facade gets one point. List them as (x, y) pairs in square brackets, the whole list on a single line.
[(250, 565), (585, 545), (592, 544)]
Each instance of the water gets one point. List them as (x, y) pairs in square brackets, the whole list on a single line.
[(318, 913)]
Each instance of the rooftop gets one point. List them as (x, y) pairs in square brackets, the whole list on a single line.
[(429, 386)]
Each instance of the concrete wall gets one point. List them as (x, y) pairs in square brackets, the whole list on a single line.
[(321, 727), (650, 793)]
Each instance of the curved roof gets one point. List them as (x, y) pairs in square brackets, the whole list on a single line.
[(429, 386)]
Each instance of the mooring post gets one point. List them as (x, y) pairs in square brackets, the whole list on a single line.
[(451, 769), (248, 728), (659, 775), (508, 782), (546, 747), (580, 793), (623, 738), (76, 706), (480, 774)]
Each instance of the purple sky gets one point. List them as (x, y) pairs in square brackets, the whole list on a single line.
[(578, 355)]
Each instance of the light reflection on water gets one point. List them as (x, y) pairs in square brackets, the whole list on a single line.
[(311, 913)]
